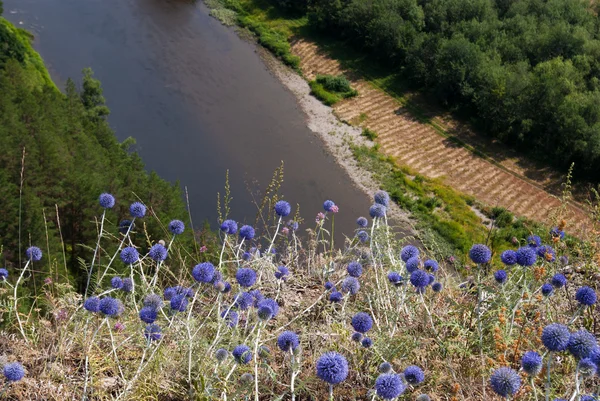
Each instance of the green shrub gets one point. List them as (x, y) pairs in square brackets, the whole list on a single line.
[(328, 98), (370, 135), (274, 41)]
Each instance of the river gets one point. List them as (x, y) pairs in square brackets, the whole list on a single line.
[(198, 99)]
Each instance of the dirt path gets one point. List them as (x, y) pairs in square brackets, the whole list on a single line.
[(420, 147)]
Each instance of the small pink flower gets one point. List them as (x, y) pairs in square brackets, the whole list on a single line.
[(203, 248), (285, 230), (320, 216), (48, 280), (61, 315), (119, 326), (334, 209)]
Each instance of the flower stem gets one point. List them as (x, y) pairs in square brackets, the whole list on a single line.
[(87, 285)]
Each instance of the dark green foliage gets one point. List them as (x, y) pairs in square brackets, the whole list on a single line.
[(502, 217), (271, 39), (331, 89), (370, 135), (1, 7), (296, 7), (334, 83)]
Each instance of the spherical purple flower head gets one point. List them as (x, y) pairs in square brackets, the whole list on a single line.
[(92, 304), (283, 208), (3, 274), (231, 317), (588, 398), (242, 354), (409, 251), (377, 211), (329, 285), (436, 287), (500, 276), (531, 363), (534, 241), (547, 289), (125, 226), (270, 303), (247, 232), (245, 277), (203, 272), (556, 337), (179, 302), (587, 367), (362, 322), (328, 204), (357, 337), (557, 233), (148, 314), (221, 354), (431, 265), (350, 285), (13, 372), (412, 264), (243, 300), (137, 210), (581, 344), (558, 280), (129, 255), (169, 292), (419, 279), (414, 375), (480, 254), (265, 313), (546, 252), (246, 256), (385, 367), (288, 340), (127, 284), (505, 382), (282, 273), (257, 296), (526, 256), (431, 279), (176, 227), (293, 225), (153, 301), (107, 201), (389, 386), (158, 252), (229, 227), (354, 269), (366, 342), (508, 257), (116, 283), (335, 296), (586, 296), (33, 253), (394, 277), (362, 222), (152, 332), (110, 306), (332, 368), (362, 236), (382, 198)]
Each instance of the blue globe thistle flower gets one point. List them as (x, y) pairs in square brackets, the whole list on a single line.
[(169, 292), (362, 222), (231, 317), (588, 398), (203, 272), (377, 211), (362, 236), (382, 198), (247, 232), (227, 287), (531, 363), (244, 300), (242, 354), (283, 208), (137, 210), (332, 368), (125, 226), (505, 382), (508, 257), (526, 256), (394, 277), (265, 313), (564, 259), (127, 285), (110, 306), (357, 337), (335, 296), (546, 252), (436, 287), (587, 368), (33, 253), (431, 265), (581, 344), (282, 273), (362, 322), (414, 375), (229, 227), (419, 279), (329, 285), (327, 205), (586, 296), (480, 254), (153, 301), (107, 201), (354, 269), (270, 303), (558, 280), (293, 225), (158, 252), (595, 356), (187, 291), (257, 296), (556, 232), (431, 279), (148, 314), (246, 256), (179, 302), (176, 227), (350, 285), (385, 367), (412, 264), (3, 274), (547, 289), (219, 286), (366, 342), (221, 354), (152, 332), (116, 283), (389, 386), (409, 251), (13, 372), (556, 337), (245, 277), (534, 241), (92, 304), (500, 276), (129, 255), (288, 340)]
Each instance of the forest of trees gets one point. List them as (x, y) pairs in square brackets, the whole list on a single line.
[(524, 71), (70, 156)]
